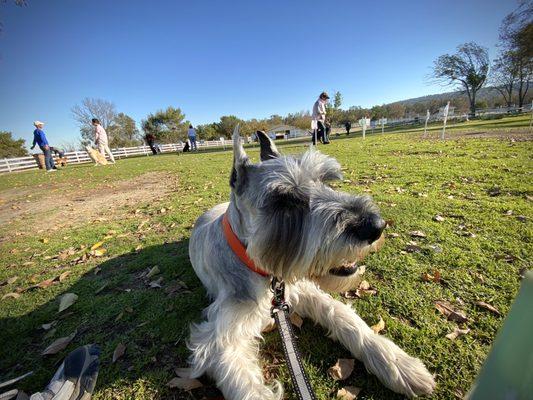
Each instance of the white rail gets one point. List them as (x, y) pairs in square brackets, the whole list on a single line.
[(81, 156)]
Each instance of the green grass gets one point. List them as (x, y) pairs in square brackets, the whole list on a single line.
[(411, 179)]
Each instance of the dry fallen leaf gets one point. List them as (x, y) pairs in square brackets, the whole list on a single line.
[(427, 277), (48, 325), (296, 320), (348, 393), (183, 372), (457, 332), (64, 276), (447, 309), (11, 296), (44, 240), (342, 369), (14, 380), (119, 351), (154, 271), (379, 326), (58, 345), (487, 306), (184, 383), (96, 245), (438, 218), (66, 301), (98, 252), (417, 234)]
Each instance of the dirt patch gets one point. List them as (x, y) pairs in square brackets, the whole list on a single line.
[(517, 135), (69, 206)]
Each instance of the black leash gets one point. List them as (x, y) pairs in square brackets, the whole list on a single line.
[(280, 312)]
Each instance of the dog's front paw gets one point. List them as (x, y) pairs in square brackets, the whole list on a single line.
[(414, 378), (396, 369)]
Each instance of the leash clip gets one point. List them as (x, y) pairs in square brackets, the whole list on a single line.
[(278, 300)]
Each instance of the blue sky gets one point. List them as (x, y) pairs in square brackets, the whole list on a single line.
[(213, 58)]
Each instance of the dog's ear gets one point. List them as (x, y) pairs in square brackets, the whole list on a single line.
[(268, 148), (240, 163)]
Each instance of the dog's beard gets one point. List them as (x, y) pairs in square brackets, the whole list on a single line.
[(346, 275)]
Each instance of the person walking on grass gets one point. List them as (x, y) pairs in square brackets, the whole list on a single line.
[(39, 138), (319, 118), (191, 133), (100, 139)]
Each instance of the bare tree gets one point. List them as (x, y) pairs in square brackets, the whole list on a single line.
[(468, 67), (83, 113), (20, 3), (504, 76)]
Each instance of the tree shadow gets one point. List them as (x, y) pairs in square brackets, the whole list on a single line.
[(117, 303)]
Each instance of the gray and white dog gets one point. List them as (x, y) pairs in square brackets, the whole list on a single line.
[(297, 228)]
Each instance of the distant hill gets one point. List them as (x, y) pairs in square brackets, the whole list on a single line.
[(486, 93)]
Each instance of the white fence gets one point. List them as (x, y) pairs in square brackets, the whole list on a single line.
[(81, 156)]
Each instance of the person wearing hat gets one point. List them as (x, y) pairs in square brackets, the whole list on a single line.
[(39, 138), (101, 140), (318, 123)]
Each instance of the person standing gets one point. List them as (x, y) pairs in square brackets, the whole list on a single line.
[(39, 138), (319, 118), (191, 133), (347, 126), (150, 139), (100, 139)]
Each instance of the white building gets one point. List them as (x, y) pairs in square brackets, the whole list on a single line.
[(279, 132)]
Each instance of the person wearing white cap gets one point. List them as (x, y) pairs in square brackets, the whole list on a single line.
[(39, 138), (100, 139)]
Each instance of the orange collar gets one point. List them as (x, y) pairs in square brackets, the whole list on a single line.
[(238, 248)]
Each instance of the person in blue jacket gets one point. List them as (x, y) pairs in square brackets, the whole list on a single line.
[(39, 138)]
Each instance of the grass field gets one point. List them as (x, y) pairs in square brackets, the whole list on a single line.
[(142, 209)]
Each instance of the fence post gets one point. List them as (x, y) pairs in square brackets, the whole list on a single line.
[(77, 157), (8, 166)]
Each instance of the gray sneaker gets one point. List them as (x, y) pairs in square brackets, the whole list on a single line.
[(76, 377)]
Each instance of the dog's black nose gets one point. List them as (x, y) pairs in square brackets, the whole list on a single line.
[(370, 228)]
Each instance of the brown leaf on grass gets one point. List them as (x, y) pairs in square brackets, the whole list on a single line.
[(58, 345), (119, 351), (10, 296), (427, 277), (379, 326), (184, 383), (44, 240), (342, 369), (63, 276), (487, 306), (446, 308), (9, 281), (66, 301), (418, 234), (392, 235), (183, 372), (494, 191), (296, 320), (413, 247), (348, 393), (97, 245), (438, 218), (456, 333)]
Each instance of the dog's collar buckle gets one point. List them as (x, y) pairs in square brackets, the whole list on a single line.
[(277, 287)]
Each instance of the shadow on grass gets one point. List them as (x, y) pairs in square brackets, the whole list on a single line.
[(115, 305)]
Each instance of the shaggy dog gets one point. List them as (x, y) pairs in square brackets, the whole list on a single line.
[(96, 156), (296, 228)]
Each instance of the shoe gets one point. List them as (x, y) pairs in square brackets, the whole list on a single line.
[(51, 170), (76, 377)]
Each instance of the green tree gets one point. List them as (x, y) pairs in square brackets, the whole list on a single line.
[(226, 125), (10, 147), (337, 99), (207, 132), (168, 126), (468, 67), (124, 132)]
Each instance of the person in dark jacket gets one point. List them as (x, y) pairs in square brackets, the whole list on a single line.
[(150, 140), (39, 138), (347, 126)]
